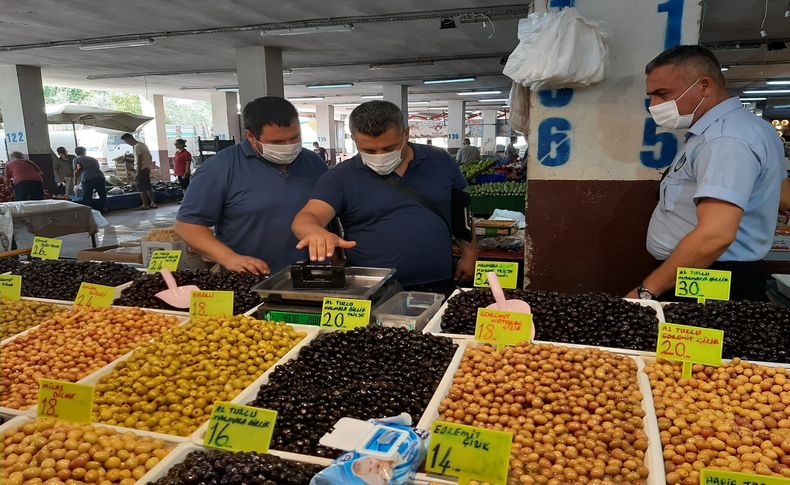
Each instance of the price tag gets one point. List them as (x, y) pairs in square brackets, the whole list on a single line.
[(344, 314), (240, 428), (506, 272), (46, 248), (687, 344), (708, 476), (211, 303), (10, 287), (164, 260), (64, 400), (96, 296), (503, 328), (469, 453), (703, 284)]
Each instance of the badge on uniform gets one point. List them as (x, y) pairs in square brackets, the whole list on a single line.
[(680, 163)]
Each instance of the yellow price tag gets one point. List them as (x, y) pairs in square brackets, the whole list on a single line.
[(690, 345), (96, 296), (503, 328), (506, 272), (164, 260), (211, 303), (64, 400), (10, 287), (469, 453), (240, 428), (344, 314), (46, 248), (708, 476), (703, 284)]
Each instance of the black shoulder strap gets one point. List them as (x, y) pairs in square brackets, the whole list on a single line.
[(418, 197)]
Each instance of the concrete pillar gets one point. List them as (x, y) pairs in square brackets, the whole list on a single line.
[(398, 94), (260, 72), (456, 125), (155, 135), (327, 132), (488, 145), (225, 116), (24, 117)]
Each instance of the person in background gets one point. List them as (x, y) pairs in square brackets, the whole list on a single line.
[(511, 152), (64, 169), (320, 151), (250, 192), (26, 177), (144, 165), (182, 163), (87, 168), (429, 142), (719, 198), (467, 153)]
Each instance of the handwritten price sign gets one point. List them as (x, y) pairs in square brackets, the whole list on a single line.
[(503, 328), (506, 272), (344, 314), (96, 296), (703, 284), (687, 344), (164, 260), (46, 248), (469, 453), (10, 287), (240, 428), (211, 303), (724, 477), (64, 400)]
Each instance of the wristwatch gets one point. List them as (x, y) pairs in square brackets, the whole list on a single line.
[(645, 294)]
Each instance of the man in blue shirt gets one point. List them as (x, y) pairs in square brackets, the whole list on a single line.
[(250, 192), (719, 198), (386, 226)]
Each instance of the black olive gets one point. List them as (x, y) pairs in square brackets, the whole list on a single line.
[(60, 279)]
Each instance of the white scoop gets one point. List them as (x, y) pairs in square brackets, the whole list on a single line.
[(175, 296)]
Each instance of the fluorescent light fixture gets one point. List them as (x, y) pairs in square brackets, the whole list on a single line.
[(346, 105), (451, 80), (416, 103), (754, 99), (723, 68), (767, 91), (372, 96), (319, 29), (386, 65), (95, 46), (307, 98), (498, 100), (437, 109), (779, 83), (329, 86), (478, 93), (228, 89)]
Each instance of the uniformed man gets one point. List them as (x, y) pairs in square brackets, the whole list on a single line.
[(719, 198)]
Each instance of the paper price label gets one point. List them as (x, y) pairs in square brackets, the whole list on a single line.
[(64, 400), (211, 303), (506, 272), (344, 314), (689, 344), (96, 296), (708, 476), (703, 284), (10, 287), (240, 428), (164, 260), (503, 328), (46, 248), (469, 453)]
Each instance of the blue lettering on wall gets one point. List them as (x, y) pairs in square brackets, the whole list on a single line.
[(555, 98), (561, 3), (554, 146), (674, 10), (659, 148)]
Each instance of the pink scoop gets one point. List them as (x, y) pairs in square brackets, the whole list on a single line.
[(515, 306), (175, 296)]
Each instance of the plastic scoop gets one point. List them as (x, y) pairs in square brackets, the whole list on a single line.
[(175, 296), (515, 306)]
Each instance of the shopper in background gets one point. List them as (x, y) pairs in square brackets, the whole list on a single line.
[(64, 169), (467, 153), (389, 199), (320, 151), (182, 163), (144, 164), (26, 177), (87, 168), (511, 152), (719, 198), (250, 192)]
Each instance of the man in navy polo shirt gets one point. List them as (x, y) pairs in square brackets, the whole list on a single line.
[(250, 192), (384, 225)]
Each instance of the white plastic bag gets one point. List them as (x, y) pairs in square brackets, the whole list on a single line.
[(558, 50), (6, 229)]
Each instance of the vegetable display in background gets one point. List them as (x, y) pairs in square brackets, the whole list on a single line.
[(471, 170), (508, 189)]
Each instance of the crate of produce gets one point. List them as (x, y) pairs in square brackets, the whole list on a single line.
[(491, 178), (485, 228), (472, 170), (619, 378), (60, 280)]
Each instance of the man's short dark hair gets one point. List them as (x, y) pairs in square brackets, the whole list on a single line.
[(467, 141), (127, 136), (376, 117), (79, 151), (268, 111), (61, 150), (696, 57), (315, 144), (180, 141), (513, 139)]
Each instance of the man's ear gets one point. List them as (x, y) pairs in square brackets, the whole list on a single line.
[(707, 85)]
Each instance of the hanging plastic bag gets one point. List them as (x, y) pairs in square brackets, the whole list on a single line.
[(558, 50)]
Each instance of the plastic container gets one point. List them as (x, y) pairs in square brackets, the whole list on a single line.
[(410, 309), (783, 283)]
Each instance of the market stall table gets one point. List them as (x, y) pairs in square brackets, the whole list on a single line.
[(51, 218)]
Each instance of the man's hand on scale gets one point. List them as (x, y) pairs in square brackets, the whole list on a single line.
[(322, 244)]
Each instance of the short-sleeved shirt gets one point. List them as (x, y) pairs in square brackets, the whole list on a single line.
[(511, 151), (180, 161), (143, 156), (467, 153), (250, 203), (23, 171), (64, 168), (90, 167), (730, 155), (392, 229)]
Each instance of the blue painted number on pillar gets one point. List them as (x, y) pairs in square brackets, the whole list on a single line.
[(674, 10), (557, 98), (554, 145), (562, 3)]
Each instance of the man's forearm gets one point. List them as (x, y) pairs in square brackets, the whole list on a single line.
[(202, 239), (469, 248), (304, 223)]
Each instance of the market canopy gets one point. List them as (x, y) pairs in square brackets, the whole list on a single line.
[(106, 119)]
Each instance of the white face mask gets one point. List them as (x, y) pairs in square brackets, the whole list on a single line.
[(279, 154), (384, 163), (666, 114)]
